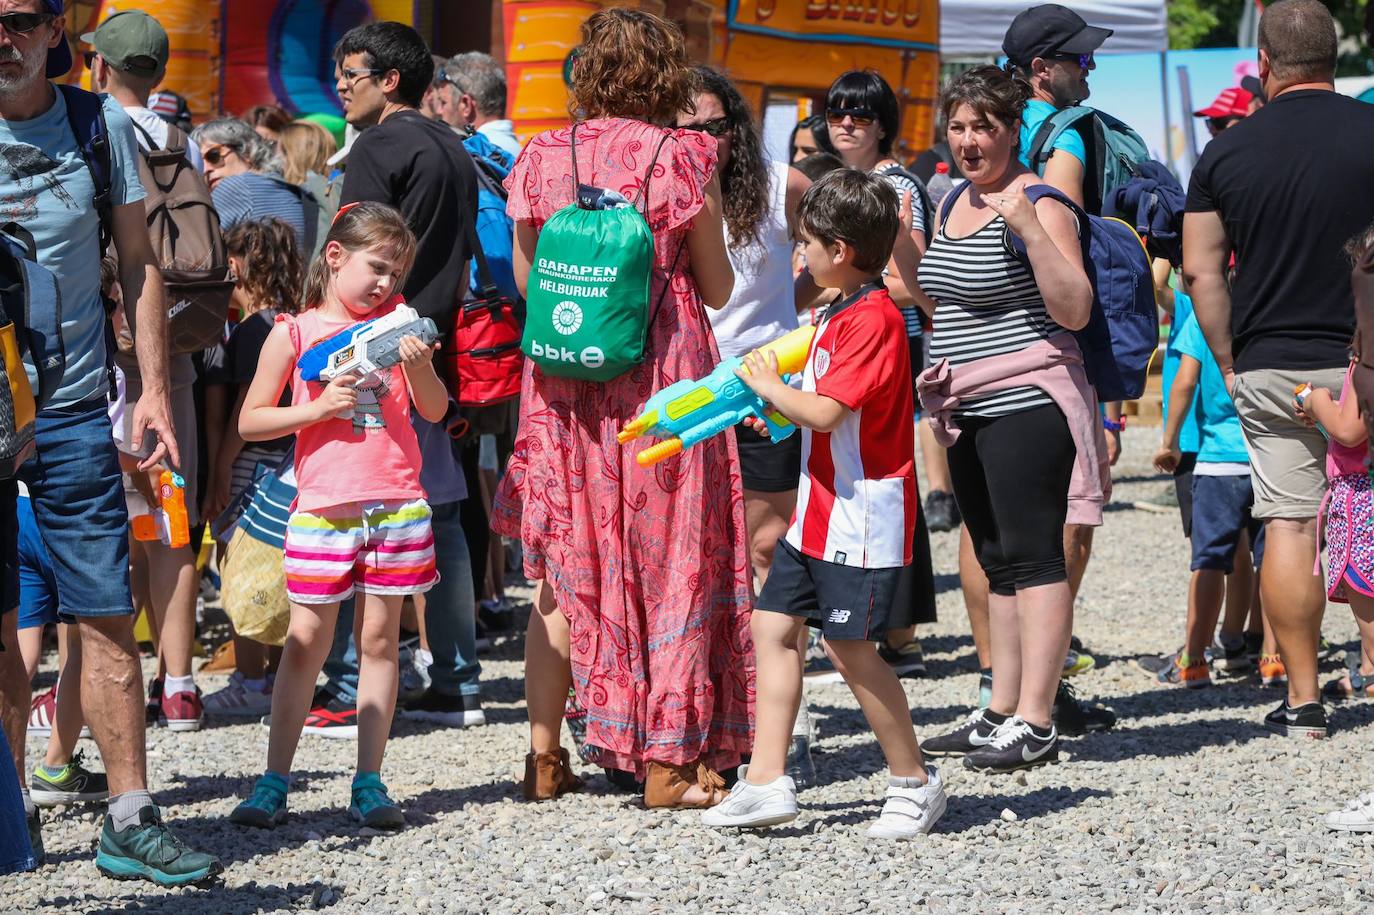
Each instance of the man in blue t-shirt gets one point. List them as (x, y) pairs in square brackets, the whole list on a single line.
[(74, 479)]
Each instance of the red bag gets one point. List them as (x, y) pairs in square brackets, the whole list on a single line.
[(485, 363)]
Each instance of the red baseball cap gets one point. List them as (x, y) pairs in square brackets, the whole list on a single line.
[(1231, 103)]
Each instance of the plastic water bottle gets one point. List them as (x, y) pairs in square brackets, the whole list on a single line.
[(939, 184)]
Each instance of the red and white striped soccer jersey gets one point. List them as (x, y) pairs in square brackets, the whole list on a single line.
[(856, 503)]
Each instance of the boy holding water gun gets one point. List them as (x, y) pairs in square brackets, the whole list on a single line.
[(838, 567)]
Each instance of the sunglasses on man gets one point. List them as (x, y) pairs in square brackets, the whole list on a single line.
[(24, 23), (716, 127), (1085, 61), (862, 117)]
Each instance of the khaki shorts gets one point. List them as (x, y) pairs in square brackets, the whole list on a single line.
[(1287, 458)]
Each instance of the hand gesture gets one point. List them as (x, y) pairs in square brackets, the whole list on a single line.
[(153, 413), (1167, 458), (339, 396), (904, 239), (1015, 207), (414, 353)]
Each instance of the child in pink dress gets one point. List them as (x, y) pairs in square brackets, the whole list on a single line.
[(360, 522)]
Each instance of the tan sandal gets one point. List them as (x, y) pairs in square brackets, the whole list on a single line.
[(666, 784), (548, 775)]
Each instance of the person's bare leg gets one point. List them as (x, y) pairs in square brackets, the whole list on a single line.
[(112, 698), (496, 546), (1045, 621), (766, 515), (1205, 592), (1362, 607), (172, 586), (778, 679), (1004, 651), (15, 693), (1294, 600), (1078, 549), (31, 649), (934, 458), (974, 584), (1240, 586), (548, 671), (884, 705), (308, 640), (378, 675), (420, 603), (1270, 643), (66, 729), (250, 658)]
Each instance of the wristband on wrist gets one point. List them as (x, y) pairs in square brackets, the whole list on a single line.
[(1118, 426)]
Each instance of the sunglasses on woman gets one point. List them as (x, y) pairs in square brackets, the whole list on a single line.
[(23, 23), (215, 155), (862, 117), (716, 127)]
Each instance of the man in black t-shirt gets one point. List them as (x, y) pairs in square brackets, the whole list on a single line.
[(1284, 190)]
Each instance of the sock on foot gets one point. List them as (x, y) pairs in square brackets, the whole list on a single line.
[(1041, 733), (906, 781), (52, 771), (425, 657), (994, 717), (125, 808), (173, 685)]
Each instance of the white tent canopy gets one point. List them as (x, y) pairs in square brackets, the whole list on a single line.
[(974, 28)]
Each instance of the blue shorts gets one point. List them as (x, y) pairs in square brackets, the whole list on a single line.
[(9, 546), (77, 494), (37, 582), (1221, 510)]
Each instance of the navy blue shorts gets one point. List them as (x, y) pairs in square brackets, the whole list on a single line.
[(9, 546), (843, 602), (37, 581), (1221, 511), (78, 500)]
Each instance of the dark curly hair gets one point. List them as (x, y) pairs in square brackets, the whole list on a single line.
[(631, 64), (744, 181), (991, 91), (273, 271)]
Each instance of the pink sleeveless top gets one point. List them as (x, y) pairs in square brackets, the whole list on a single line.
[(1342, 460), (373, 456)]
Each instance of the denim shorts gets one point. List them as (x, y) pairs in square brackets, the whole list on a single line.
[(78, 499), (9, 547), (37, 581), (1221, 511)]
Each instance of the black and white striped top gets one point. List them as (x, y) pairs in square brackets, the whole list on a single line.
[(987, 304), (903, 183)]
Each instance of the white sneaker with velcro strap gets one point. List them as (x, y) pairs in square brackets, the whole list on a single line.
[(911, 812)]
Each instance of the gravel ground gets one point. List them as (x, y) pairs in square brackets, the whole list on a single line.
[(1188, 806)]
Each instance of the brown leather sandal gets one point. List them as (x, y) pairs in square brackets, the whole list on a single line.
[(666, 784), (548, 775)]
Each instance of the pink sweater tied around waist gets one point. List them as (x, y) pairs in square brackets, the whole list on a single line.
[(1056, 367)]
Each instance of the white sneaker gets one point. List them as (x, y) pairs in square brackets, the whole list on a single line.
[(1356, 816), (751, 806), (910, 812), (238, 699)]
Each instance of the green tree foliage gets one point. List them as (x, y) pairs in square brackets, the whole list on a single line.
[(1213, 24)]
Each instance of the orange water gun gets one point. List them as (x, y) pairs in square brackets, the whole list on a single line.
[(168, 521)]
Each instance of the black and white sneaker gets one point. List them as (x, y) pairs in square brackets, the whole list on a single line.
[(1304, 721), (1229, 655), (1074, 718), (974, 734), (462, 711), (1016, 745)]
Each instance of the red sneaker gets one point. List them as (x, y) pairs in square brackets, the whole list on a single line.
[(183, 711), (333, 719), (43, 714)]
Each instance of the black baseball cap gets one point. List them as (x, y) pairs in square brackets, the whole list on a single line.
[(1050, 29), (60, 55)]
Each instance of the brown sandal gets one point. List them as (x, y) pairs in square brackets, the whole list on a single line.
[(548, 775), (666, 784)]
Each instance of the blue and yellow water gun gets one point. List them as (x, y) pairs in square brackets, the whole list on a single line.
[(689, 412)]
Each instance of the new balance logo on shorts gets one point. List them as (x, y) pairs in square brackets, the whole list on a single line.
[(839, 616)]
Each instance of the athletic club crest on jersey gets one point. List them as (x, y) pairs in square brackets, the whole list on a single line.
[(822, 364)]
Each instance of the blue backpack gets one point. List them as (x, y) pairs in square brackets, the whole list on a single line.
[(495, 230), (1123, 331)]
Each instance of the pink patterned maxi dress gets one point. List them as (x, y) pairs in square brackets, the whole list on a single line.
[(650, 566)]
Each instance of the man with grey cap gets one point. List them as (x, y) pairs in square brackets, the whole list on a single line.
[(74, 481)]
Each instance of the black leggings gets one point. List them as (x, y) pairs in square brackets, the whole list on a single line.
[(1011, 479)]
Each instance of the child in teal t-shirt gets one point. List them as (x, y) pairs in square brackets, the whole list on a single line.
[(1222, 499)]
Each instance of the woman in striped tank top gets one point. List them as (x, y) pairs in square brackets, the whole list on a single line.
[(999, 320)]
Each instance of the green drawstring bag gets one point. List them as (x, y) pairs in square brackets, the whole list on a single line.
[(587, 299)]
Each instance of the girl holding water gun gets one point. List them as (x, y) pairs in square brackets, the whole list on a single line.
[(360, 522)]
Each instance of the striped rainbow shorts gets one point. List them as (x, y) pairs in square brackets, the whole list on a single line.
[(375, 547)]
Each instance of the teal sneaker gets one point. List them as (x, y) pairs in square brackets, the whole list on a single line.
[(371, 804), (265, 808), (75, 784), (149, 851)]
